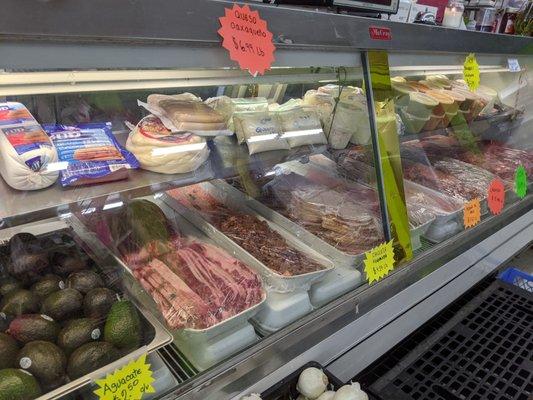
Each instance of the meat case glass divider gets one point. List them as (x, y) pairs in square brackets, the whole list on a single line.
[(228, 213)]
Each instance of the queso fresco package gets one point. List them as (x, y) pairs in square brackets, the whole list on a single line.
[(90, 154)]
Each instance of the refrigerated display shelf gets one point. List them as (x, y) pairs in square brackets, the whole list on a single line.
[(181, 368), (483, 352)]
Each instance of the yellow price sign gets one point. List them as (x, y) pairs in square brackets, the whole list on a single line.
[(379, 262), (130, 382), (472, 213), (471, 71)]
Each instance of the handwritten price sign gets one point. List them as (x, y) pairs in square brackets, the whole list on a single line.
[(471, 71), (379, 262), (247, 38), (496, 196), (472, 213)]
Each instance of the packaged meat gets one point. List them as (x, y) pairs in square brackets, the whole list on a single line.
[(261, 130), (158, 149), (186, 113), (301, 126), (89, 153), (28, 158)]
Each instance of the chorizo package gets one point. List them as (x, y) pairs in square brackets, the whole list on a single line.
[(89, 153)]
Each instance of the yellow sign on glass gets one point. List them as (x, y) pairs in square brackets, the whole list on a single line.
[(130, 382), (379, 262), (471, 71), (472, 213)]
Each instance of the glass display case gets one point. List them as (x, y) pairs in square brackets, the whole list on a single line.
[(157, 200)]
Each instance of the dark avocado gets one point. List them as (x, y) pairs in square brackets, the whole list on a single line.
[(65, 262), (98, 302), (47, 285), (9, 284), (29, 327), (28, 258), (44, 360), (21, 242), (123, 326), (19, 302), (90, 357), (63, 304), (77, 332), (8, 351), (83, 281), (17, 384)]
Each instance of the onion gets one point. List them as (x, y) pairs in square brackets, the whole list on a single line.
[(252, 396), (329, 395), (350, 392), (312, 383)]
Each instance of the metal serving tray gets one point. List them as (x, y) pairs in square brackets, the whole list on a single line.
[(180, 224), (161, 336), (273, 280), (339, 258)]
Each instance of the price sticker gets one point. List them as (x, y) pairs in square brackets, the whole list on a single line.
[(379, 262), (247, 38), (513, 65), (496, 196), (520, 181), (472, 213), (130, 382), (471, 71)]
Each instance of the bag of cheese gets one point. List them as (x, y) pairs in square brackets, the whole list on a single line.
[(158, 149), (301, 126), (260, 130), (28, 158), (228, 106)]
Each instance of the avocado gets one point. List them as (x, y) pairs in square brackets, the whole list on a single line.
[(48, 284), (8, 351), (9, 284), (65, 262), (123, 326), (89, 357), (29, 327), (19, 302), (63, 304), (77, 332), (21, 242), (83, 281), (98, 302), (16, 384), (28, 258), (44, 360)]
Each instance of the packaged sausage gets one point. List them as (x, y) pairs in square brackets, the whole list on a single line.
[(89, 153)]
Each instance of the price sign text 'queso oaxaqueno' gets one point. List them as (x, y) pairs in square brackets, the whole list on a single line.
[(247, 38)]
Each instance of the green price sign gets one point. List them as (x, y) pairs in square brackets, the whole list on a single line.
[(520, 181)]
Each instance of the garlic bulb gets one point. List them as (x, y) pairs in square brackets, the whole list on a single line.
[(351, 392), (312, 383)]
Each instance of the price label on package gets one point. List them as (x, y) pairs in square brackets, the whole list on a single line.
[(513, 65), (496, 196), (379, 262), (472, 213), (247, 38), (471, 71), (520, 181), (130, 382)]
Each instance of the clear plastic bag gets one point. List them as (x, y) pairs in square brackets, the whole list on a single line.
[(260, 130), (158, 149), (228, 106), (301, 126)]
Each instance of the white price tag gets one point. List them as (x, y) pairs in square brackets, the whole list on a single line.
[(513, 65)]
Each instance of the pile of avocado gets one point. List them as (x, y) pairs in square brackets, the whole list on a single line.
[(58, 320)]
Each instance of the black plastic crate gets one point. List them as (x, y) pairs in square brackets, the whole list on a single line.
[(483, 353)]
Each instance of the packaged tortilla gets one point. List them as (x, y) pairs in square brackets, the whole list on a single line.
[(90, 154), (260, 130), (160, 150), (301, 126), (186, 113)]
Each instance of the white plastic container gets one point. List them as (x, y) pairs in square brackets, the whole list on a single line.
[(335, 284)]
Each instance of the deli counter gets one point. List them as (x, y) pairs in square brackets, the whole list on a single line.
[(173, 208)]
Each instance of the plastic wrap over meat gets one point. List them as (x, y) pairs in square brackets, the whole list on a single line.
[(249, 232), (423, 205), (194, 284)]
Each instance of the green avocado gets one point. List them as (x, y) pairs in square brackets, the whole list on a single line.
[(123, 326), (16, 384), (19, 302), (47, 285), (45, 361), (89, 357), (63, 304), (9, 284), (83, 281), (77, 332), (98, 302), (8, 351), (29, 327)]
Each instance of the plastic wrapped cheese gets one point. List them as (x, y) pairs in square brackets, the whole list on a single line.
[(323, 103), (28, 158), (301, 126), (228, 106), (260, 130), (159, 150)]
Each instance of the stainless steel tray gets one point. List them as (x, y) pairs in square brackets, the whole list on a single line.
[(187, 229), (339, 258), (161, 336), (273, 280)]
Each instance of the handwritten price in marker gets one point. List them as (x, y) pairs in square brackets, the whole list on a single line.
[(247, 47)]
